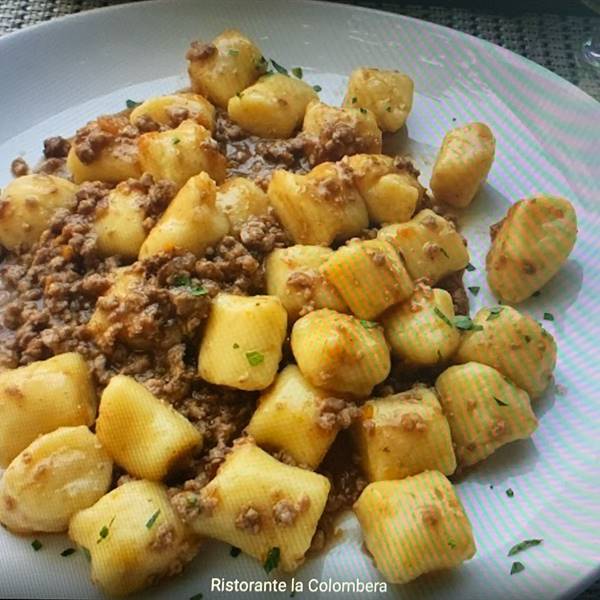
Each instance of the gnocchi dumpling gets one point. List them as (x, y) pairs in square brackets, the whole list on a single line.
[(463, 164), (273, 107), (257, 503), (390, 187), (340, 353), (239, 199), (295, 276), (429, 244), (27, 205), (338, 132), (369, 276), (529, 246), (388, 94), (404, 434), (119, 225), (414, 525), (41, 397), (181, 153), (296, 417), (223, 68), (133, 538), (56, 476), (192, 221), (242, 342), (485, 411), (172, 109), (144, 435), (320, 207), (420, 331), (514, 344)]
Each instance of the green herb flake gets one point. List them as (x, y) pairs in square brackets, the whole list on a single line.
[(193, 288), (262, 64), (272, 560), (86, 553), (36, 545), (474, 289), (442, 316), (527, 339), (279, 68), (233, 52), (297, 72), (317, 88), (548, 316), (197, 596), (500, 402), (536, 294), (452, 544), (150, 522), (517, 567), (354, 99), (510, 493), (103, 533), (176, 141), (68, 552), (235, 345), (465, 323), (368, 324), (131, 104), (255, 358), (389, 109), (494, 313), (470, 267), (234, 552), (524, 545), (363, 110)]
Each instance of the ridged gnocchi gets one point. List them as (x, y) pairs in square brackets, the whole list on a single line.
[(172, 109), (462, 164), (56, 476), (192, 221), (320, 207), (404, 434), (27, 205), (273, 107), (388, 94), (295, 275), (420, 330), (41, 397), (133, 538), (181, 153), (414, 526), (530, 246), (515, 344), (429, 244), (223, 68), (340, 353)]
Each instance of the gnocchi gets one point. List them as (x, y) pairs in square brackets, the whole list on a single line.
[(172, 109), (239, 199)]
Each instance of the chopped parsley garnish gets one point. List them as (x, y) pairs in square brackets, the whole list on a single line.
[(474, 289), (233, 52), (524, 545), (470, 267), (452, 544), (104, 531), (235, 551), (36, 545), (494, 313), (363, 110), (68, 552), (255, 358), (131, 103), (235, 345), (444, 252), (466, 324), (536, 294), (517, 567), (176, 141), (548, 316), (262, 64), (354, 99), (442, 316), (527, 339), (500, 402), (193, 288), (272, 560), (368, 324), (197, 596), (86, 553), (317, 88), (279, 68), (150, 522), (389, 109), (297, 72), (510, 493)]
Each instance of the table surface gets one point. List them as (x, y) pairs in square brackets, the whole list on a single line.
[(553, 40)]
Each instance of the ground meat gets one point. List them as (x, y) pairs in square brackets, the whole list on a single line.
[(19, 167), (113, 130), (249, 520), (53, 166), (455, 286), (200, 51), (335, 141), (56, 147), (337, 413), (163, 539)]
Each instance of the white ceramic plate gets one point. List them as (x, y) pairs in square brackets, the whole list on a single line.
[(55, 76)]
